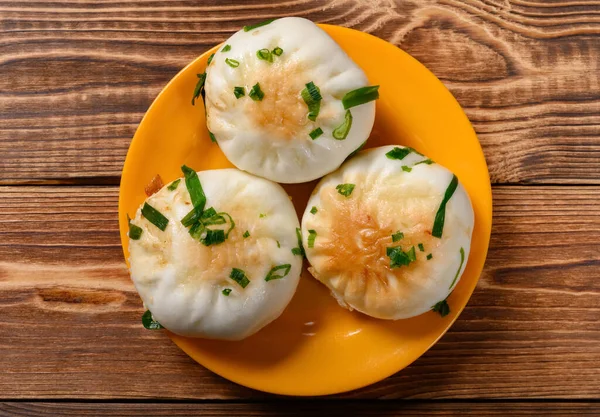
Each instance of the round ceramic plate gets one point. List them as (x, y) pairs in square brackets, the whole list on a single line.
[(316, 347)]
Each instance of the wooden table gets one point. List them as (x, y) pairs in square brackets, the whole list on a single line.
[(75, 80)]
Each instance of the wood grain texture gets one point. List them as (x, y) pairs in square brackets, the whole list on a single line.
[(77, 76), (300, 409), (70, 317)]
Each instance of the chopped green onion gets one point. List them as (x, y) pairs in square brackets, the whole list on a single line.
[(212, 137), (215, 219), (197, 230), (442, 308), (440, 216), (277, 51), (256, 93), (278, 244), (398, 153), (213, 237), (192, 182), (262, 215), (462, 260), (316, 133), (226, 48), (199, 90), (314, 210), (300, 249), (232, 62), (406, 168), (173, 186), (312, 97), (397, 236), (250, 27), (246, 234), (421, 247), (192, 217), (312, 235), (345, 189), (265, 55), (429, 256), (226, 292), (400, 258), (154, 216), (135, 232), (240, 277), (210, 58), (273, 272), (425, 161), (149, 323), (341, 132), (239, 92), (360, 96)]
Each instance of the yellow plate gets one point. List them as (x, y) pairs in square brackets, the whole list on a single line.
[(316, 347)]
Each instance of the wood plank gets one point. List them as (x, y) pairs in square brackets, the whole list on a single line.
[(69, 315), (78, 76), (285, 408)]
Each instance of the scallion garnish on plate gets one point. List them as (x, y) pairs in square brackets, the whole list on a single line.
[(277, 51), (399, 258), (212, 137), (240, 277), (341, 132), (278, 272), (239, 92), (312, 97), (135, 232), (250, 27), (345, 189), (421, 247), (398, 153), (440, 216), (312, 235), (232, 62), (360, 96), (314, 210), (226, 48), (406, 168), (154, 216), (300, 249), (397, 236), (210, 58), (226, 292), (173, 186), (256, 93), (246, 234), (199, 90), (149, 323), (316, 133), (442, 308), (192, 182), (265, 55), (462, 260)]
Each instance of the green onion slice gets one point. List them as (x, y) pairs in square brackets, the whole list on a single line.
[(192, 182), (312, 97), (316, 133), (279, 244), (275, 274), (345, 189), (462, 260), (360, 96), (265, 55), (210, 58), (440, 216), (406, 168), (314, 210), (399, 258), (421, 247), (135, 232), (199, 90), (212, 137), (149, 323), (312, 235), (250, 27), (398, 153), (226, 48), (300, 249), (341, 132), (442, 308), (240, 277), (154, 216), (226, 292), (277, 51), (232, 62), (425, 161), (239, 92), (173, 186), (397, 236), (429, 256), (213, 237), (256, 93), (246, 234)]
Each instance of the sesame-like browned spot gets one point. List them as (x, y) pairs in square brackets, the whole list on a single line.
[(282, 110), (357, 241)]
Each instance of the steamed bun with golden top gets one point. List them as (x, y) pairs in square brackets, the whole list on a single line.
[(211, 254), (389, 232), (285, 102)]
